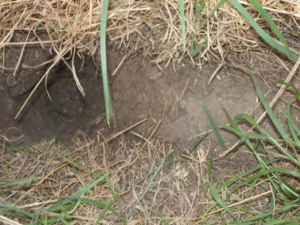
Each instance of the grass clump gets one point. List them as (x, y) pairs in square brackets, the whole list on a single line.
[(272, 188)]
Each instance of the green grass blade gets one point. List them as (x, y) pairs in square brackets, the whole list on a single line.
[(196, 143), (161, 165), (285, 208), (163, 219), (221, 203), (4, 183), (263, 12), (19, 149), (269, 171), (253, 123), (75, 196), (297, 93), (182, 21), (100, 205), (199, 7), (17, 210), (116, 199), (270, 40), (102, 213), (52, 141), (212, 122), (292, 126), (200, 47), (76, 165), (203, 186), (288, 190), (235, 178), (212, 12), (268, 108), (63, 220), (209, 168), (110, 117), (286, 221)]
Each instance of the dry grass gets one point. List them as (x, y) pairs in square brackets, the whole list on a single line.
[(153, 29), (149, 27), (176, 192)]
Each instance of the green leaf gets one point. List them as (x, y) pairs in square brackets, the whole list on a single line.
[(100, 205), (291, 86), (270, 40), (59, 206), (110, 117), (4, 183), (182, 21), (163, 219), (212, 122), (263, 12), (268, 108), (221, 203), (161, 165)]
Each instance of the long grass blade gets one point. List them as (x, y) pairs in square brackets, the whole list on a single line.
[(212, 122), (263, 12), (268, 108), (270, 40), (4, 183), (110, 117), (221, 202), (161, 165), (17, 210), (75, 196), (292, 126), (182, 21)]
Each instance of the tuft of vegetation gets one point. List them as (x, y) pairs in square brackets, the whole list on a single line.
[(275, 179)]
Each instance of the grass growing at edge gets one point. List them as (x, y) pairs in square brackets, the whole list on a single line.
[(283, 198), (282, 45), (106, 89)]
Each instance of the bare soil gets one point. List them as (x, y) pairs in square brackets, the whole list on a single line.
[(165, 95), (140, 89)]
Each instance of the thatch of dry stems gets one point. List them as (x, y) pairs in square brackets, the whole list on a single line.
[(149, 27)]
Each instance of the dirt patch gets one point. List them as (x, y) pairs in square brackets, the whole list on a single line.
[(140, 89), (165, 95)]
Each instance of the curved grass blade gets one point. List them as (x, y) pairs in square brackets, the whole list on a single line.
[(161, 166), (4, 183), (100, 205), (212, 122), (268, 108), (288, 190), (212, 12), (266, 172), (270, 40), (196, 143), (253, 123), (297, 93), (263, 12), (18, 211), (220, 202), (285, 208), (110, 117), (75, 196)]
